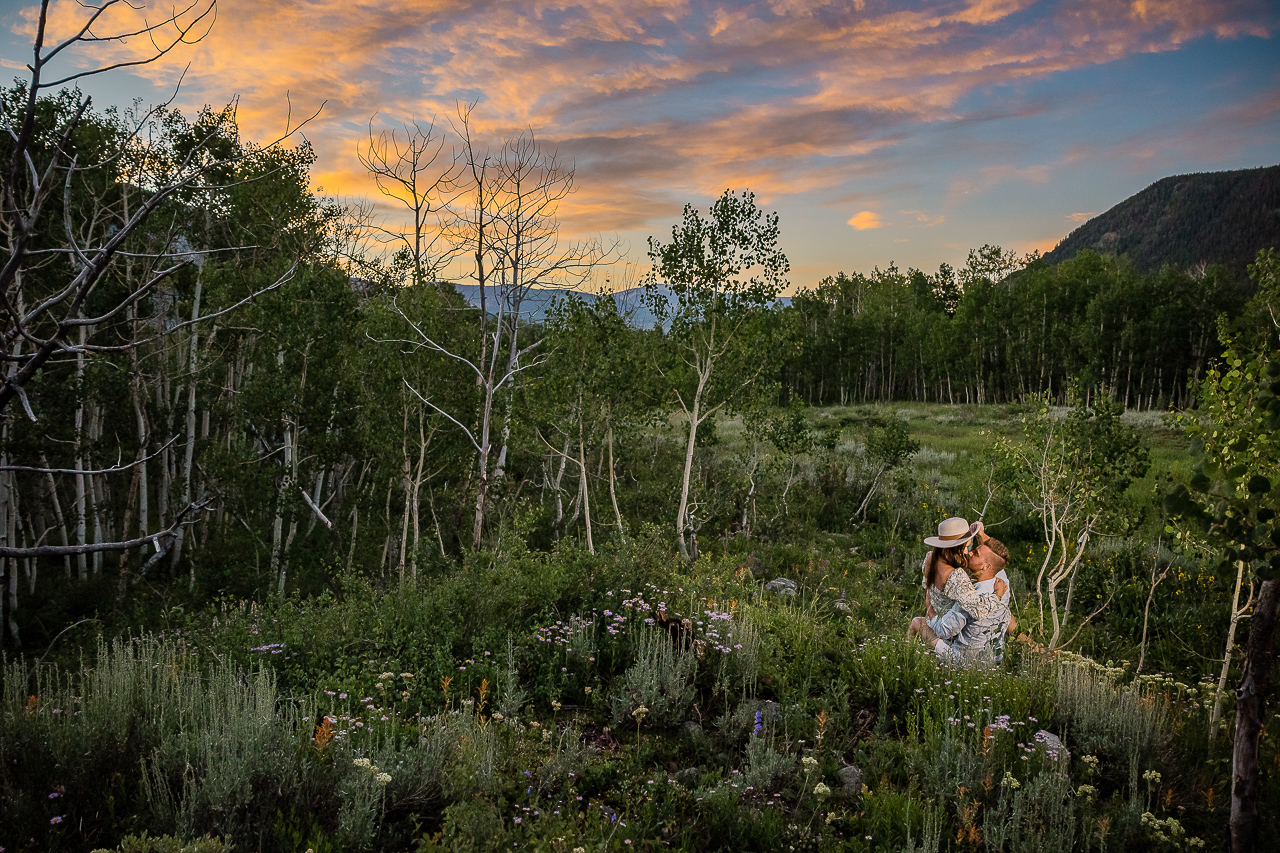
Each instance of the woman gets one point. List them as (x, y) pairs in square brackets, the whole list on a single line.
[(945, 587)]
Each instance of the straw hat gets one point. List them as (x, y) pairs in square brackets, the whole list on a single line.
[(952, 532)]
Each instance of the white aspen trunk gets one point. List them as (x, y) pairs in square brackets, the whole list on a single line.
[(140, 416), (431, 500), (355, 528), (279, 554), (96, 498), (482, 492), (57, 510), (82, 561), (317, 495), (166, 455), (582, 473), (406, 476), (386, 542), (512, 364), (1056, 578), (417, 489), (682, 514), (10, 566), (407, 485), (555, 486), (188, 458), (279, 568), (613, 493), (1237, 613)]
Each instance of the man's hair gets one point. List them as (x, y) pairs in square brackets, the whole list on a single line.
[(998, 548)]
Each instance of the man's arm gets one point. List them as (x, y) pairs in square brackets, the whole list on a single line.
[(949, 625)]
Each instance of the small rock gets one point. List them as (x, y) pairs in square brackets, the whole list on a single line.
[(851, 777), (692, 727), (687, 775), (842, 605), (1053, 745), (781, 586)]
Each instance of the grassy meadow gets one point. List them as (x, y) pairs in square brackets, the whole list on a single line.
[(539, 697)]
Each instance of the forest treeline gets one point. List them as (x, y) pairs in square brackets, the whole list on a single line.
[(213, 375), (1003, 327)]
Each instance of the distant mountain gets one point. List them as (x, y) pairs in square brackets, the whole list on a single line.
[(1188, 220), (538, 302)]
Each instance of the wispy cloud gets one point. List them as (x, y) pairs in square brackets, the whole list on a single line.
[(660, 100)]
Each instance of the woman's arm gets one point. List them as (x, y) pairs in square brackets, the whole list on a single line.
[(980, 605)]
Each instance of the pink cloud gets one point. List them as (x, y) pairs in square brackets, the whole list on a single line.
[(656, 100)]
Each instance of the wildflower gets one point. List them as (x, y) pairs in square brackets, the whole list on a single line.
[(1086, 792), (1010, 782), (1152, 777), (587, 690), (555, 706), (498, 718), (759, 723), (639, 713), (809, 763), (821, 791), (363, 762), (382, 778), (55, 820)]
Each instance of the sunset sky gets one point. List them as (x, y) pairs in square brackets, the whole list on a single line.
[(881, 131)]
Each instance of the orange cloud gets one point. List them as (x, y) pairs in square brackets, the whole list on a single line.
[(1080, 217), (864, 220), (654, 100)]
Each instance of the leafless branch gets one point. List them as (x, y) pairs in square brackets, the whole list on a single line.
[(95, 547), (125, 467)]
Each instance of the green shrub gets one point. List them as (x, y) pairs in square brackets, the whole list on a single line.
[(168, 844)]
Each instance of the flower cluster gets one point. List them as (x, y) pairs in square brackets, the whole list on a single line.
[(378, 775)]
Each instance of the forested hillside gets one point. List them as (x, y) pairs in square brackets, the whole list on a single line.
[(1188, 222)]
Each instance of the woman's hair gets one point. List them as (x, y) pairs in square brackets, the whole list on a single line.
[(954, 557)]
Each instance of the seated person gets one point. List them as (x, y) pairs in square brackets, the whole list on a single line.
[(946, 587), (962, 637)]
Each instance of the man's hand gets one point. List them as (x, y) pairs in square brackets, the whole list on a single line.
[(1001, 588)]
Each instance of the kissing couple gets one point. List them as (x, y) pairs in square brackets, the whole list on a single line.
[(967, 595)]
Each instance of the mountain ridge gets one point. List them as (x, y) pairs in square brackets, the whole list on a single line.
[(1188, 221)]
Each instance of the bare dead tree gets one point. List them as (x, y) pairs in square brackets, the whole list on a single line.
[(504, 219), (403, 164)]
